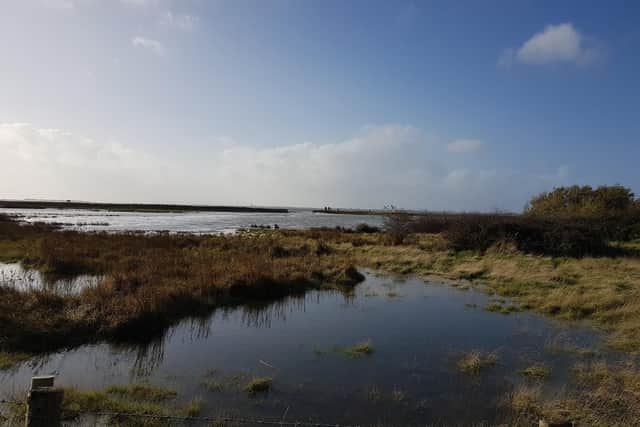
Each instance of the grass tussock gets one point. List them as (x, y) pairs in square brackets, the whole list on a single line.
[(600, 395), (475, 361), (360, 349), (258, 385), (536, 371)]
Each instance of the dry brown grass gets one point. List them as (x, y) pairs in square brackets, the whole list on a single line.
[(600, 396), (152, 281)]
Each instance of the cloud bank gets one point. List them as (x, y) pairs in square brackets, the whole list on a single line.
[(556, 44), (380, 165)]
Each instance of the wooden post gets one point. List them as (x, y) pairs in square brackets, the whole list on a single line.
[(44, 403)]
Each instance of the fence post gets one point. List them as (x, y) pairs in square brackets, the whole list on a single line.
[(44, 403)]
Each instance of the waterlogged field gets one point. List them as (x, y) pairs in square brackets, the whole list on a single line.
[(280, 323), (393, 352)]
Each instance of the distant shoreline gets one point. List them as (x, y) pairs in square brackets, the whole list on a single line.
[(132, 207), (352, 211)]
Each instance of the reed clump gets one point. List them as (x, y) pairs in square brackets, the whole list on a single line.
[(360, 349), (476, 361), (258, 385)]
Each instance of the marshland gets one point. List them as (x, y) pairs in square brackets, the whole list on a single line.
[(411, 319)]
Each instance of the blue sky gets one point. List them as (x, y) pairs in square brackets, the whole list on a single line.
[(433, 105)]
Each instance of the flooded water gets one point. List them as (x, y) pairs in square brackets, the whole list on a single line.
[(418, 331), (192, 222), (15, 276)]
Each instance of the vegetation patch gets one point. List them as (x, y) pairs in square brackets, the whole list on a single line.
[(153, 281), (476, 361), (600, 395), (143, 399), (536, 371), (363, 348), (258, 385)]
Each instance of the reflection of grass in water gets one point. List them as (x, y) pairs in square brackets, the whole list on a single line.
[(537, 371), (392, 294), (373, 394), (476, 361)]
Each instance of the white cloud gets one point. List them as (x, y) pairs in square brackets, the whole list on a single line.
[(555, 44), (464, 146), (153, 45), (182, 22), (381, 165)]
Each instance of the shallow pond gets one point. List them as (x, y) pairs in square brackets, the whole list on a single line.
[(191, 222), (418, 331)]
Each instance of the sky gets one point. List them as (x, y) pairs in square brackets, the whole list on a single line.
[(438, 105)]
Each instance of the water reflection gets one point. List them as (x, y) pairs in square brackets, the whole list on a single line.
[(17, 277), (410, 379)]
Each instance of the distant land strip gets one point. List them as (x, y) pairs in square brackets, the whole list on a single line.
[(131, 207), (353, 211)]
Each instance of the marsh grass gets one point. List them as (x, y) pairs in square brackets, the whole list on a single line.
[(475, 361), (360, 349), (357, 350), (258, 385), (11, 360), (536, 371), (137, 398), (600, 395), (524, 400), (602, 290), (152, 281)]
